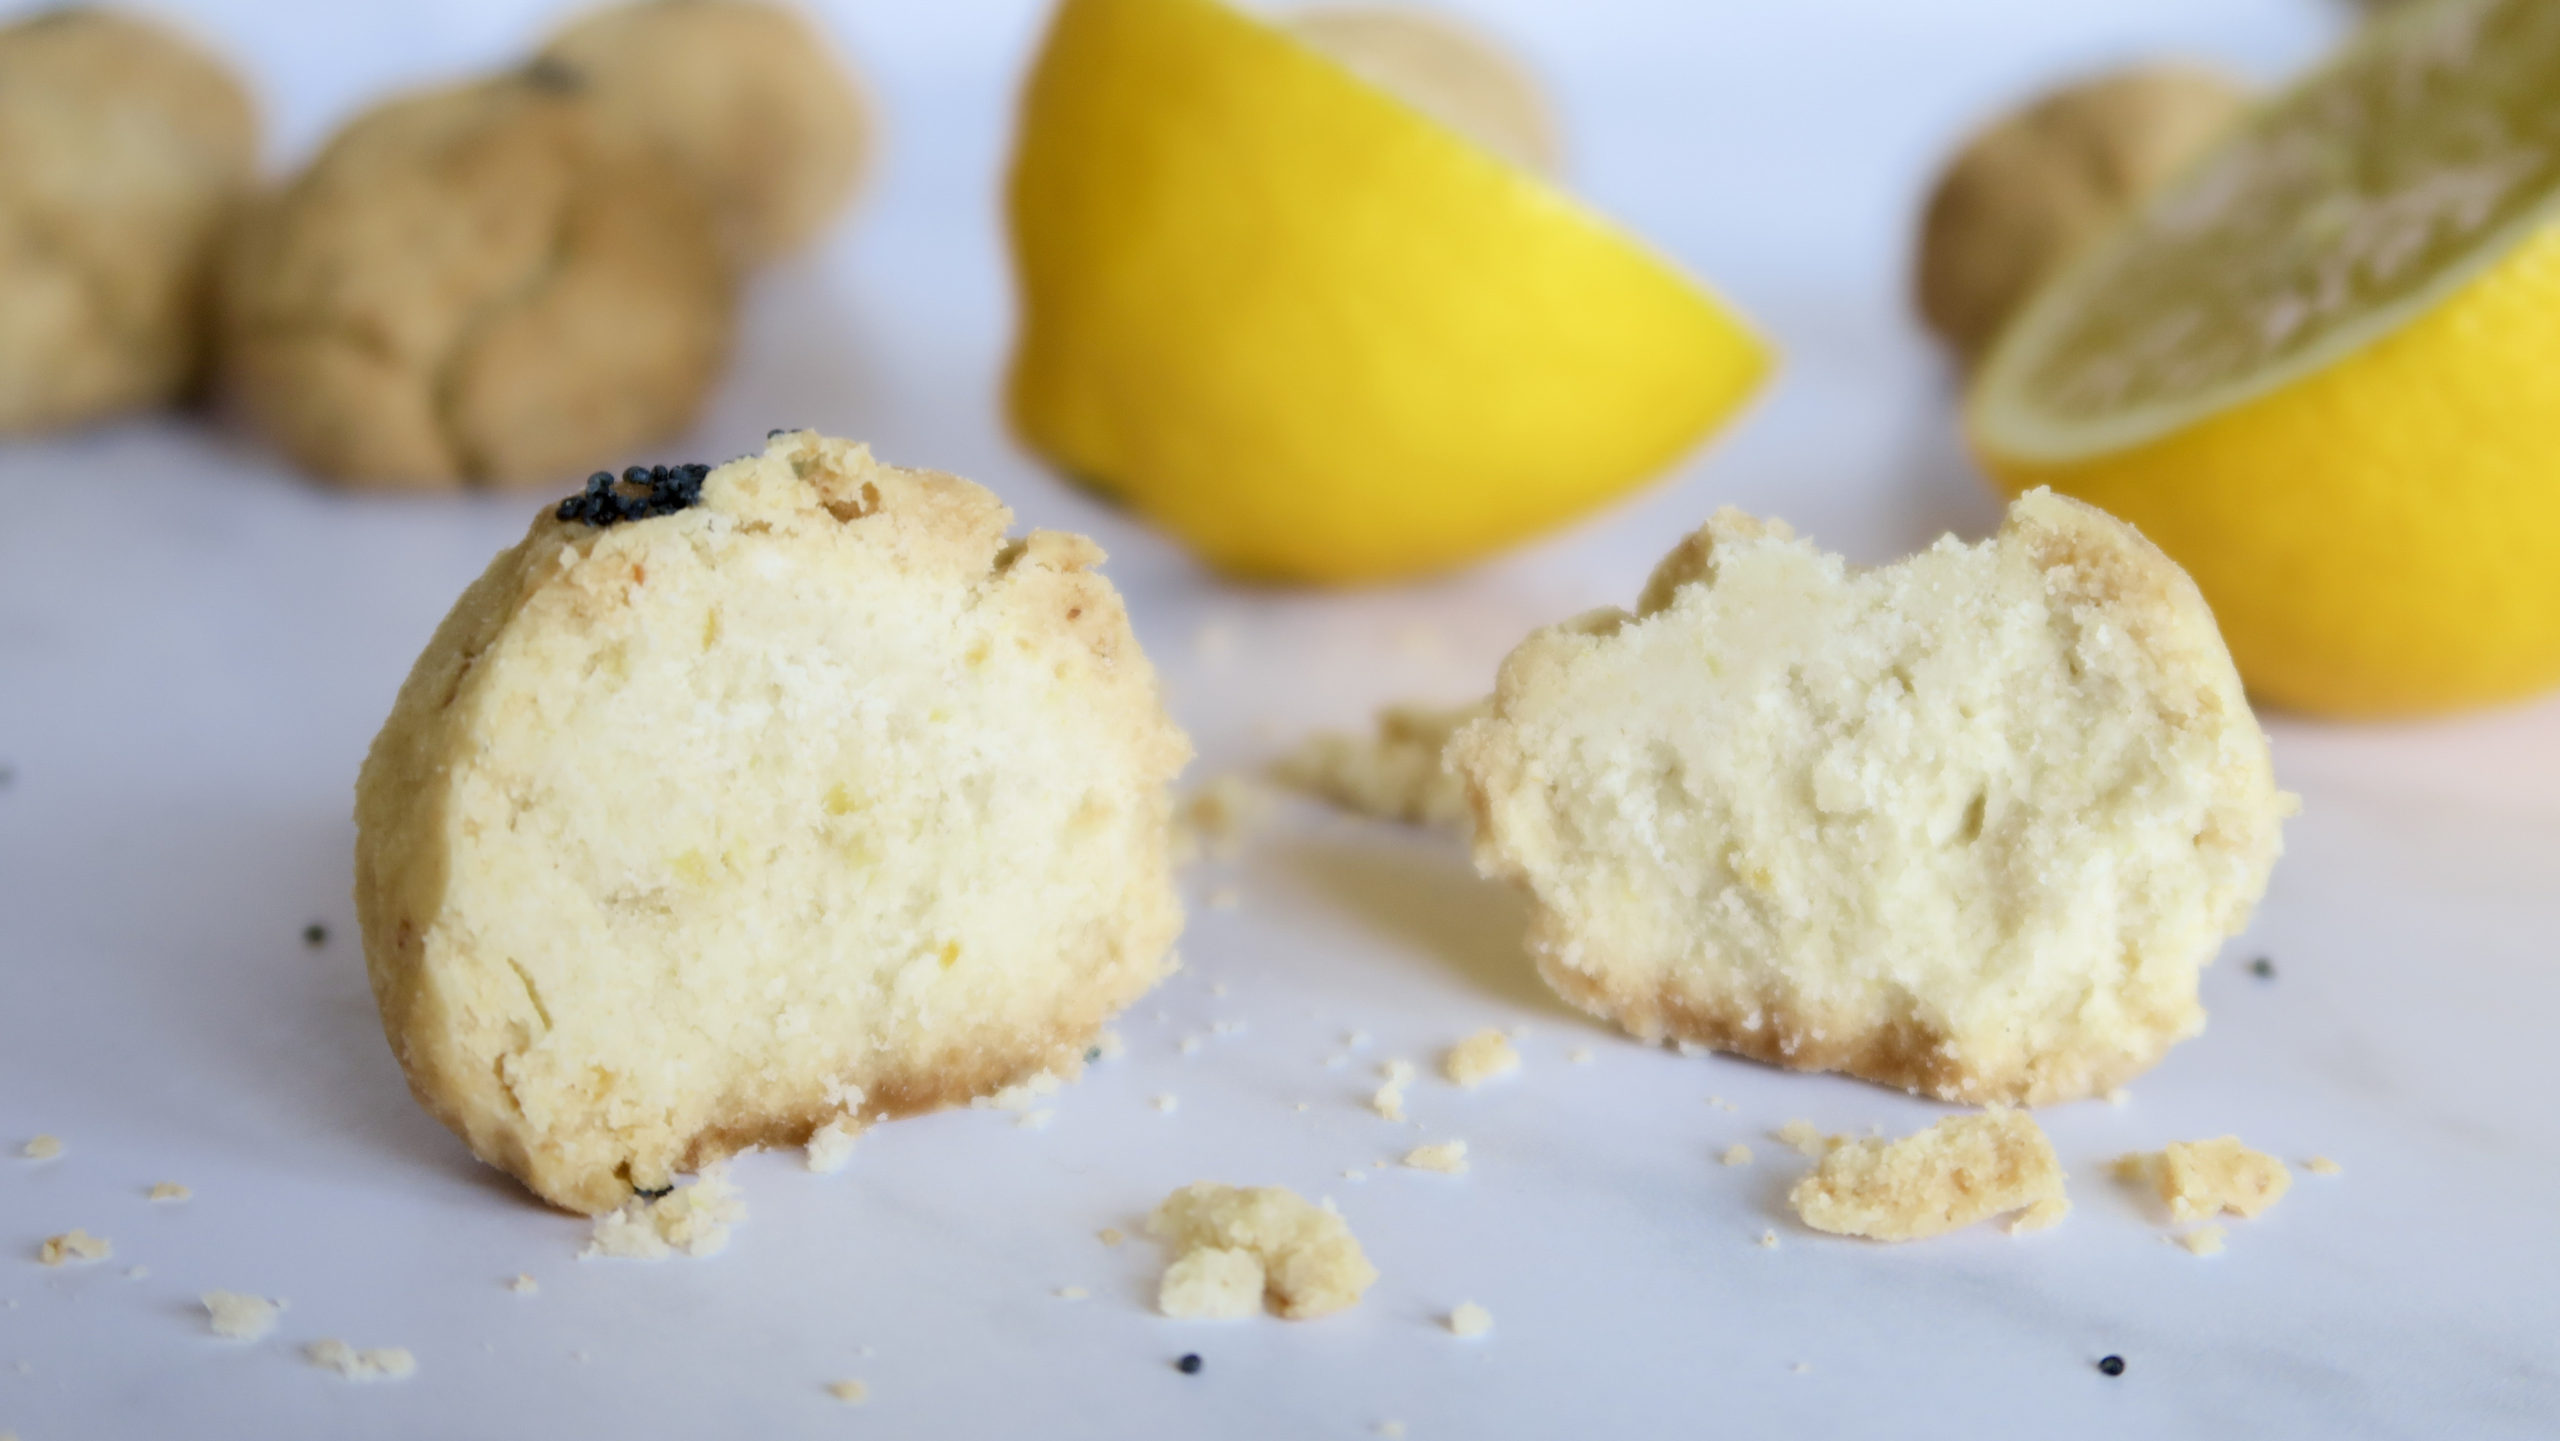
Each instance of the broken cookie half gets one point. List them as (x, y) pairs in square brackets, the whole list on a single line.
[(1968, 824), (730, 806)]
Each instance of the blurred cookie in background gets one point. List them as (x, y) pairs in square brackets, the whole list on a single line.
[(2027, 190), (122, 148), (747, 96), (487, 284)]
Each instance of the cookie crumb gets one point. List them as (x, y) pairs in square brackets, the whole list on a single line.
[(1072, 1293), (1449, 1158), (1233, 1245), (74, 1246), (315, 935), (694, 1219), (1023, 1095), (385, 1363), (1962, 1170), (170, 1191), (1480, 1058), (1768, 1240), (1388, 1101), (1806, 1137), (2323, 1166), (2197, 1179), (1736, 1154), (234, 1316), (524, 1284), (1166, 1103), (42, 1148), (851, 1393), (1469, 1320), (1111, 1236), (830, 1147), (2111, 1365), (1217, 819), (2204, 1240), (1392, 1430), (1392, 774)]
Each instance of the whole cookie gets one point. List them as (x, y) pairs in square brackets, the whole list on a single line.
[(484, 284), (726, 808), (122, 149), (745, 95)]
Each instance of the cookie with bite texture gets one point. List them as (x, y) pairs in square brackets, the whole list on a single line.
[(1968, 824), (734, 803)]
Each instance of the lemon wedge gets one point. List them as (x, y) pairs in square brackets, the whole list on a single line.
[(2321, 369), (1312, 330)]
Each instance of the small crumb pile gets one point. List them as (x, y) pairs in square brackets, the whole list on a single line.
[(1469, 1320), (1449, 1158), (1962, 1170), (383, 1363), (1479, 1058), (2323, 1166), (831, 1145), (1217, 819), (1806, 1137), (2205, 1178), (692, 1219), (234, 1316), (170, 1191), (1233, 1246), (851, 1393), (1394, 774), (1736, 1154), (2197, 1180), (524, 1285), (74, 1245), (42, 1148), (1388, 1101)]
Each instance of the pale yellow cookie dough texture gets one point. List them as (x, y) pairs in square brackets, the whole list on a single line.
[(486, 284), (124, 148), (1234, 1246), (746, 96), (2032, 187), (1962, 1170), (1967, 824), (816, 801)]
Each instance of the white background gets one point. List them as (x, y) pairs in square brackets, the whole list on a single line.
[(195, 647)]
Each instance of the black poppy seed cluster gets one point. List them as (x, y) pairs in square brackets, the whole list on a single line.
[(642, 492)]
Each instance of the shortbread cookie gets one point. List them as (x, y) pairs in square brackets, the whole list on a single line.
[(745, 95), (123, 148), (486, 284), (1967, 824), (723, 808)]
